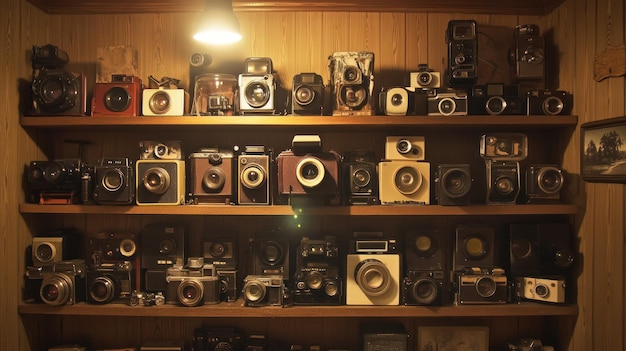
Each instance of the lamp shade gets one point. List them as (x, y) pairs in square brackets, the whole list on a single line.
[(218, 24)]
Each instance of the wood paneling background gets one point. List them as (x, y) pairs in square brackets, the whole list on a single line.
[(301, 42)]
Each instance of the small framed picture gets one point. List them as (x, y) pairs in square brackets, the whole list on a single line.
[(603, 154), (453, 339)]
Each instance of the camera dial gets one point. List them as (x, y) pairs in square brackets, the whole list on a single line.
[(310, 172)]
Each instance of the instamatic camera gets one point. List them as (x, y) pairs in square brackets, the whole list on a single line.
[(253, 176), (195, 284), (527, 57), (211, 176), (462, 40), (120, 97), (352, 83), (481, 286), (308, 94), (447, 103), (546, 289), (425, 78), (114, 182)]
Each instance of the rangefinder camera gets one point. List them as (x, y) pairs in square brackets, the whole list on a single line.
[(495, 99), (447, 103), (549, 102), (195, 284), (263, 290), (63, 283)]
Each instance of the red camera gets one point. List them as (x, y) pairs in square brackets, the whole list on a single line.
[(120, 97)]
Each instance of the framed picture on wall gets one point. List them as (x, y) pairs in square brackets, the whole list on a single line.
[(453, 339), (603, 150)]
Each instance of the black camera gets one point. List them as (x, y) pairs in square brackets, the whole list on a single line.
[(474, 247), (317, 280), (110, 282), (162, 245), (308, 94), (194, 284), (527, 57), (503, 182), (114, 182), (462, 40), (543, 183), (217, 339), (549, 102), (270, 255), (495, 99), (454, 182), (423, 288), (360, 177), (481, 286), (55, 179), (106, 247), (220, 252)]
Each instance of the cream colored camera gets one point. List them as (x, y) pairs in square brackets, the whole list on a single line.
[(542, 289), (404, 182), (405, 148)]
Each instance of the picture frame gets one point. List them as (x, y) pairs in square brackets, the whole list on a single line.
[(603, 150), (453, 338)]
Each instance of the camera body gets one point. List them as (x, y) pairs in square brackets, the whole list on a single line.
[(405, 148), (361, 177), (47, 250), (474, 247), (503, 182), (160, 150), (215, 339), (543, 182), (423, 288), (545, 289), (462, 42), (495, 99), (549, 102), (352, 83), (62, 176), (162, 245), (63, 283), (257, 93), (110, 282), (120, 97), (447, 103), (425, 78), (194, 284), (478, 285), (317, 280), (253, 176), (307, 94), (527, 57), (160, 182), (211, 178), (394, 101), (106, 247), (404, 182), (270, 253), (263, 290), (163, 102), (453, 184), (114, 182), (220, 252), (229, 284)]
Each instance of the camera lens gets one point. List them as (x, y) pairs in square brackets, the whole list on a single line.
[(373, 277), (408, 180), (55, 289), (495, 105), (475, 247), (271, 253), (550, 180), (563, 257), (127, 248), (190, 292), (102, 289), (304, 95), (542, 291), (218, 249), (257, 94), (353, 96), (331, 289), (113, 180), (160, 102), (456, 183), (254, 291), (424, 79), (314, 280), (56, 90), (460, 59), (214, 179), (504, 185), (397, 100), (485, 286), (404, 146), (35, 173), (117, 99), (167, 246), (310, 172), (156, 180), (45, 252), (424, 291), (361, 177), (52, 90), (352, 75), (521, 248), (161, 150), (424, 245), (252, 177), (446, 106), (53, 172), (552, 105)]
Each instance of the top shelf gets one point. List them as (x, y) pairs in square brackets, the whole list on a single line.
[(82, 7)]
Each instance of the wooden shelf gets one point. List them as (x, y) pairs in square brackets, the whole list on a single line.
[(284, 210), (82, 7), (236, 309)]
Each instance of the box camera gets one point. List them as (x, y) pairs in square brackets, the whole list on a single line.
[(307, 94), (352, 83), (216, 339), (481, 286), (462, 41), (58, 178), (253, 176), (448, 103), (46, 250), (257, 93), (543, 182), (524, 250), (160, 150), (215, 95), (270, 255), (220, 252), (55, 90), (425, 78), (229, 284), (162, 245), (424, 251), (495, 99), (373, 272), (394, 101), (163, 102), (114, 182), (545, 289), (423, 288), (503, 182), (263, 290), (504, 146), (404, 182), (120, 97), (106, 247), (557, 255), (474, 247), (110, 282), (194, 285), (63, 283), (405, 148), (549, 102), (453, 184), (160, 182), (528, 53), (211, 178), (361, 177)]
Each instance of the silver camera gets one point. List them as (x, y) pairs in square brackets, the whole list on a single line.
[(481, 286), (257, 93), (160, 150), (193, 285), (263, 290), (546, 289), (448, 103), (425, 78), (63, 283), (405, 148)]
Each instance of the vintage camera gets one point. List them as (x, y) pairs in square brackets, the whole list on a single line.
[(394, 101), (453, 184), (110, 282), (373, 272), (404, 182), (480, 285), (504, 146), (55, 90), (543, 183), (162, 245), (527, 57), (220, 252), (53, 247), (545, 289), (194, 284), (58, 178), (229, 284), (549, 102), (217, 339), (120, 97), (160, 150), (107, 247), (405, 148), (63, 283), (462, 41), (503, 182), (263, 290), (253, 176), (352, 83), (257, 93), (557, 255), (160, 182), (447, 103), (540, 249), (425, 78), (114, 182), (474, 247), (317, 280), (307, 94), (495, 99), (215, 95), (528, 344), (270, 255), (361, 177), (423, 288), (524, 250), (424, 251), (140, 298), (163, 102), (211, 178)]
